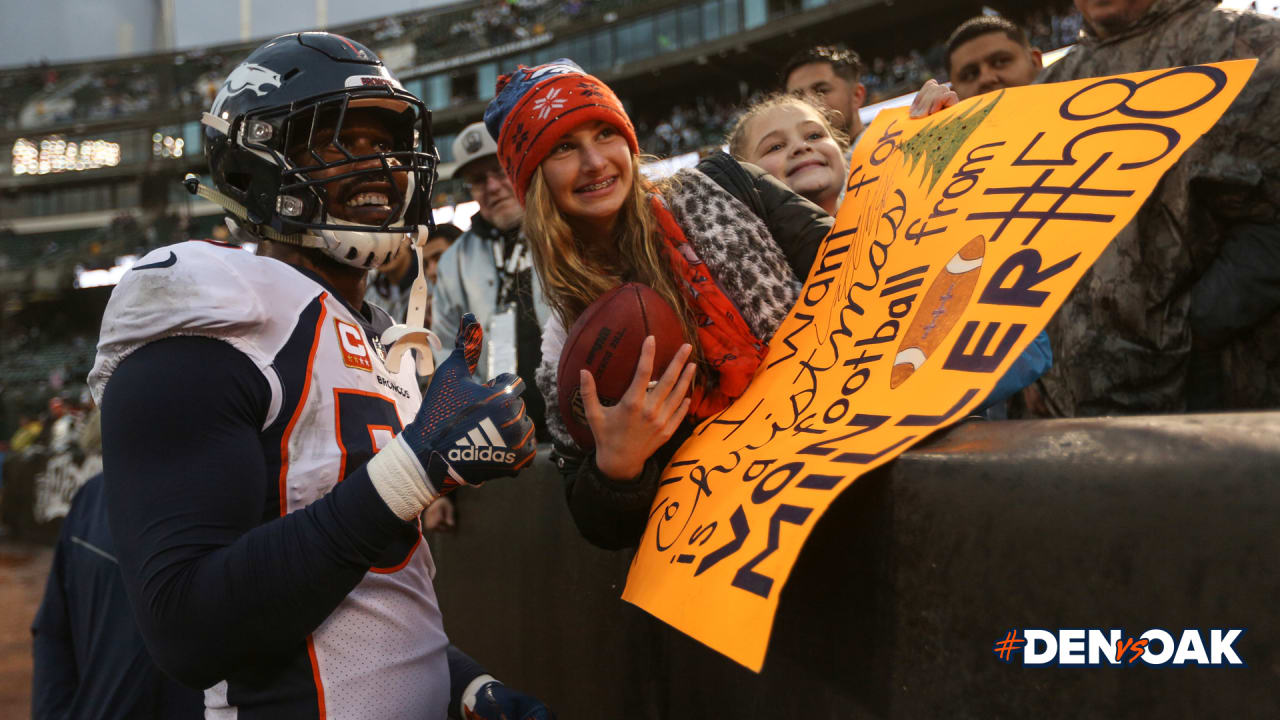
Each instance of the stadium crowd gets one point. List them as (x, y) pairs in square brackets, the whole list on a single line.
[(692, 127), (536, 256), (49, 96), (43, 95)]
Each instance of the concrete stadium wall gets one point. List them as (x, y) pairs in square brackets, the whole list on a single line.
[(912, 576)]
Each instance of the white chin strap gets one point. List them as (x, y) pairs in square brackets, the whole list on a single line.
[(338, 243), (413, 334)]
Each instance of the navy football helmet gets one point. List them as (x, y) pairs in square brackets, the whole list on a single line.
[(289, 164)]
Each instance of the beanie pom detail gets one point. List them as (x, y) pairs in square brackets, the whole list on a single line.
[(503, 80)]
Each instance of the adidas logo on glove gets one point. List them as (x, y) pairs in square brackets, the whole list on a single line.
[(485, 453), (482, 443)]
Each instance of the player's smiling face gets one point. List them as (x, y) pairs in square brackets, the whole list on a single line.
[(589, 175), (367, 198)]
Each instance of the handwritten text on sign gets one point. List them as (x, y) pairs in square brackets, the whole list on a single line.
[(959, 237)]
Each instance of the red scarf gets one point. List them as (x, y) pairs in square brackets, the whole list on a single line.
[(732, 352)]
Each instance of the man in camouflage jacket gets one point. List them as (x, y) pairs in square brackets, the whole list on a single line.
[(1182, 311)]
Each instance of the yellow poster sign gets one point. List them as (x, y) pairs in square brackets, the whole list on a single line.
[(959, 237)]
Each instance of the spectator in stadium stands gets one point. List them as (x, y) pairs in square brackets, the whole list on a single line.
[(63, 426), (831, 73), (90, 660), (725, 240), (989, 53), (286, 573), (442, 238), (489, 272), (794, 139), (1182, 311), (30, 428), (984, 54)]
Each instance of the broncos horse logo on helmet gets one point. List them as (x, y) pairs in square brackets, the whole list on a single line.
[(246, 76), (281, 139)]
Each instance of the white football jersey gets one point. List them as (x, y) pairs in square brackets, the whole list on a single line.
[(334, 403)]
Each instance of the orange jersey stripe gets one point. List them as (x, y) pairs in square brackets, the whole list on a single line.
[(408, 556), (315, 673)]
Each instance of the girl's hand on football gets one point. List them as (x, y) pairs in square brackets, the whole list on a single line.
[(648, 414)]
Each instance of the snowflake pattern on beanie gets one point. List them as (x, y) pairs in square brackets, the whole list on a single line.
[(534, 107)]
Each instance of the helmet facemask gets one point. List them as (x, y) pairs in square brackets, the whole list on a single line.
[(336, 154)]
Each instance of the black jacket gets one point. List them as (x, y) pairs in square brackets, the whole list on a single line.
[(610, 514), (90, 661)]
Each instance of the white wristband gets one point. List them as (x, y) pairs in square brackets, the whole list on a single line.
[(400, 479), (468, 701)]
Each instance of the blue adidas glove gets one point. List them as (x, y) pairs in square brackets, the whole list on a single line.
[(465, 433), (495, 701)]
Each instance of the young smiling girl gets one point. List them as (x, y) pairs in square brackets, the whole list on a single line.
[(792, 138), (724, 244)]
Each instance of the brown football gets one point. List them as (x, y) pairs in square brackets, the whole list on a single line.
[(606, 340)]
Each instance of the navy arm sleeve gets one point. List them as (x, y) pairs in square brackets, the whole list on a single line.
[(217, 587), (56, 675), (462, 670)]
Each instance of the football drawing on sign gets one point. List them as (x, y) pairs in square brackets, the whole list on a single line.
[(942, 306)]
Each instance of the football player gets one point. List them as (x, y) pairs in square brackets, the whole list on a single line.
[(266, 456)]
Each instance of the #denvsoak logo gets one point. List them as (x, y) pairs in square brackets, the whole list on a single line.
[(1094, 647)]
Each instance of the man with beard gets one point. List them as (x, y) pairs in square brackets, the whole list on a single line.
[(833, 75), (990, 53)]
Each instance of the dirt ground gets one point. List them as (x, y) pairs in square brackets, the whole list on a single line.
[(23, 569)]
